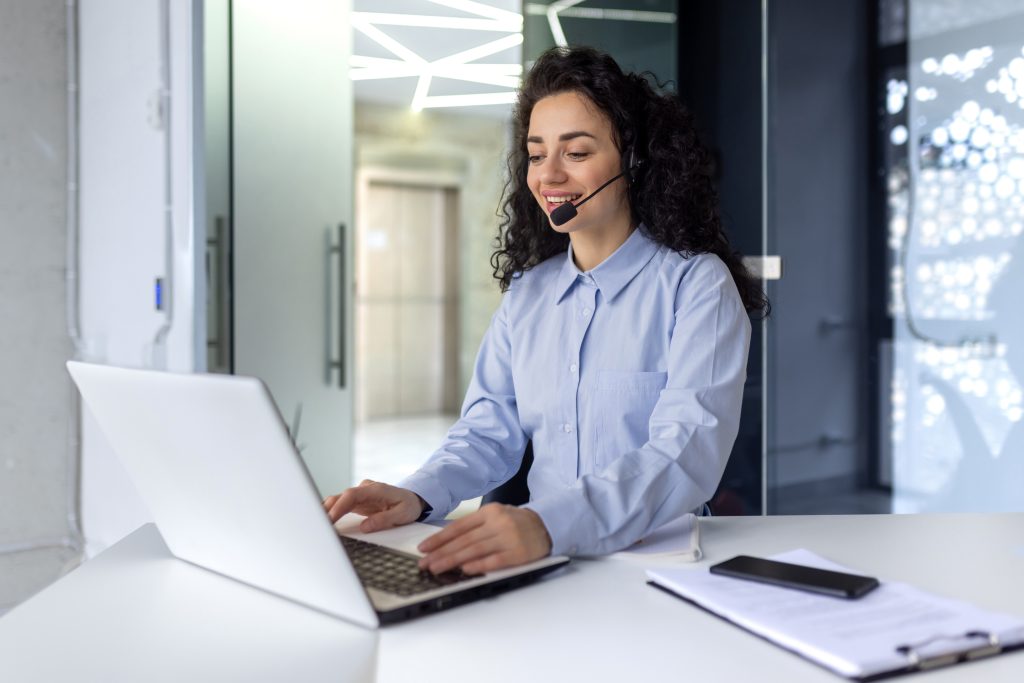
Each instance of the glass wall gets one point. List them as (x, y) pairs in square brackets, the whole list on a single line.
[(878, 149), (818, 450), (893, 359), (957, 260)]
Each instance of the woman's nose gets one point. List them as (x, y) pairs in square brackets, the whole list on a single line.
[(551, 171)]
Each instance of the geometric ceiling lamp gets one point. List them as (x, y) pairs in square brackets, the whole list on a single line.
[(460, 66), (405, 62)]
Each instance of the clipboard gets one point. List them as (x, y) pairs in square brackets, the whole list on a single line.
[(895, 630)]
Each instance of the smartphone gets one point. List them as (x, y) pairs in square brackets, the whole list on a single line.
[(837, 584)]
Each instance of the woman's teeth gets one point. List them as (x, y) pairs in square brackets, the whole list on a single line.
[(563, 199)]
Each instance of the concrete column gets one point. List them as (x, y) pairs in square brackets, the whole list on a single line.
[(37, 468)]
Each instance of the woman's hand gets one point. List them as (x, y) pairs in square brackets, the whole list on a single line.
[(383, 505), (494, 537)]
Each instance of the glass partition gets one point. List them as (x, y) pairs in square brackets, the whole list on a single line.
[(878, 149), (958, 262), (818, 449)]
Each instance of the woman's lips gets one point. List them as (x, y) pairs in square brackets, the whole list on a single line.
[(570, 198)]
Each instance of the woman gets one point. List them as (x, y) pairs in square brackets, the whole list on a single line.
[(620, 345)]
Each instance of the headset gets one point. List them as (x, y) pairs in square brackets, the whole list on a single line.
[(630, 165)]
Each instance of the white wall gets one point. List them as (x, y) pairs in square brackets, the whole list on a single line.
[(129, 171)]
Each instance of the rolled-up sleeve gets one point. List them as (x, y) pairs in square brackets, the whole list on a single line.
[(485, 446), (691, 430)]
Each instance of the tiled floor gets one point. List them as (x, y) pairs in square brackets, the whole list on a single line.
[(388, 450)]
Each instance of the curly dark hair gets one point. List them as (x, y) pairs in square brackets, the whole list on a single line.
[(673, 193)]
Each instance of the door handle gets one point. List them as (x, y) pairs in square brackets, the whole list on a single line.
[(332, 363), (221, 293), (764, 267)]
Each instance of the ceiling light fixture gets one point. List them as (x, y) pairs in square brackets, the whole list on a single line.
[(556, 26), (608, 14), (567, 8), (376, 68), (480, 9), (434, 21), (456, 66), (469, 100)]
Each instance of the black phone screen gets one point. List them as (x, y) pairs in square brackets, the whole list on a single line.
[(797, 576)]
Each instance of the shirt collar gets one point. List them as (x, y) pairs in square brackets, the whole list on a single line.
[(615, 272)]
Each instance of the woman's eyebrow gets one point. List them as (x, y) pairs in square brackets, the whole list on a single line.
[(564, 136)]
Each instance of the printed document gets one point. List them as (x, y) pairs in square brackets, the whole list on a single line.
[(892, 627)]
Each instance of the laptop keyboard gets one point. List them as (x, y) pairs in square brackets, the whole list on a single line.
[(393, 571)]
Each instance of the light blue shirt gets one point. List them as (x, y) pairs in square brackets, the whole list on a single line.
[(627, 378)]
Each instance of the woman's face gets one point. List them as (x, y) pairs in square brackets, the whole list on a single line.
[(572, 153)]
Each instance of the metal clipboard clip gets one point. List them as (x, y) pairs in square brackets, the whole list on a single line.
[(917, 660)]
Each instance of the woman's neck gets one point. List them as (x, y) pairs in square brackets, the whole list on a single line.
[(591, 248)]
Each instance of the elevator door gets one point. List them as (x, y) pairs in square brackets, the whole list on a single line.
[(406, 304)]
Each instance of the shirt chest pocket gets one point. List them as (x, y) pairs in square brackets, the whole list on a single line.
[(623, 403)]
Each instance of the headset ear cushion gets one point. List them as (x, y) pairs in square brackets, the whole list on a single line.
[(631, 163)]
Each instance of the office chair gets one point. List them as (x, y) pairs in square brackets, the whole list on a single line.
[(514, 491)]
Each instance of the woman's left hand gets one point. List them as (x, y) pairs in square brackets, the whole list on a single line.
[(494, 537)]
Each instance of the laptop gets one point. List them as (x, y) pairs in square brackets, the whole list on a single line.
[(213, 460)]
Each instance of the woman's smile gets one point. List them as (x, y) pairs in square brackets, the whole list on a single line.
[(553, 200)]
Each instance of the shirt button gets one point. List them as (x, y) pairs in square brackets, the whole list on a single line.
[(567, 428), (572, 368), (586, 312)]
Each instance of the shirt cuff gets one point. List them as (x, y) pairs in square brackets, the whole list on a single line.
[(559, 514), (436, 496)]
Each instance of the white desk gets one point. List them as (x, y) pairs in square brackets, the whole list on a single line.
[(134, 613)]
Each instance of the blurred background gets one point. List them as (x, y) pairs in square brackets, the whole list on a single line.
[(307, 191)]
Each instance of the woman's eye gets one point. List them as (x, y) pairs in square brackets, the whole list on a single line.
[(535, 158), (576, 156)]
